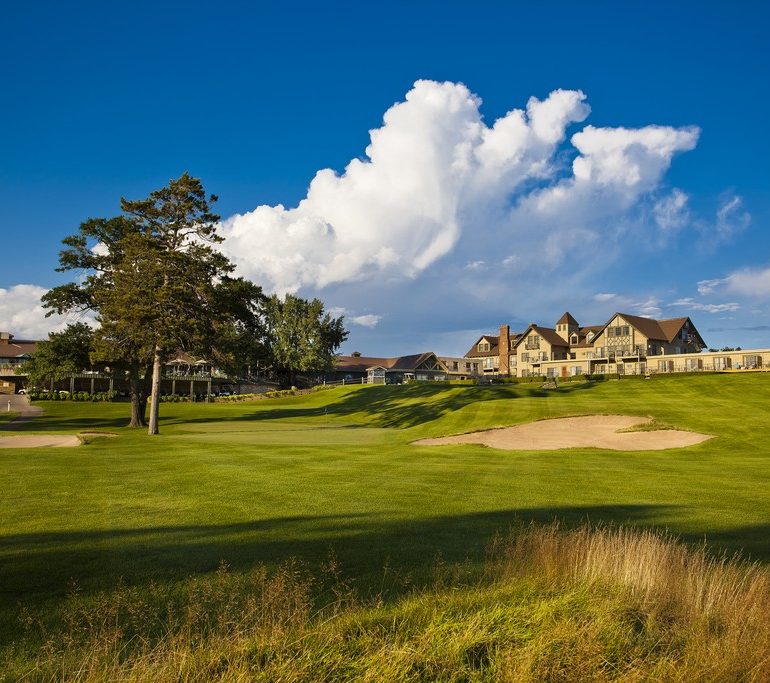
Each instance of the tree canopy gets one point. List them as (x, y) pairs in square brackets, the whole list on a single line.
[(302, 335), (63, 354), (158, 286)]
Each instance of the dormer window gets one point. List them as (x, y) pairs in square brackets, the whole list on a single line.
[(590, 336), (483, 346), (573, 339)]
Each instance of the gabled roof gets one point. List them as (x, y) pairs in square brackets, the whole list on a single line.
[(412, 362), (658, 330), (364, 363), (23, 348), (494, 342), (359, 363), (548, 333), (567, 319), (673, 325)]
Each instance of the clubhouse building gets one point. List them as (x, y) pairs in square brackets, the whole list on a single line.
[(624, 345)]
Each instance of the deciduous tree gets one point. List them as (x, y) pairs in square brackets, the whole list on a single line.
[(302, 336)]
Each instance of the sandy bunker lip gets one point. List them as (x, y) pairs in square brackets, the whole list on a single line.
[(39, 441), (588, 431)]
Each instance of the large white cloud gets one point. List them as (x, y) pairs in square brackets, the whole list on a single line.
[(446, 216), (22, 314), (402, 207), (435, 173)]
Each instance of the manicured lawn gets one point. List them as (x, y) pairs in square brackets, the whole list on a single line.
[(5, 416), (253, 483)]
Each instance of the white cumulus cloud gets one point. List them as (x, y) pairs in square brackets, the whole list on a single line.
[(435, 176), (367, 320), (22, 314), (402, 207)]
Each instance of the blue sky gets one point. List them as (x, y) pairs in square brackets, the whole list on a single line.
[(661, 207)]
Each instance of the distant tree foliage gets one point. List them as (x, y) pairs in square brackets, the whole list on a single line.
[(63, 354), (302, 336)]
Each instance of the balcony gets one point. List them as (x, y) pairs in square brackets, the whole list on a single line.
[(532, 345)]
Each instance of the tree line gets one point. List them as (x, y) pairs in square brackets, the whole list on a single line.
[(157, 286)]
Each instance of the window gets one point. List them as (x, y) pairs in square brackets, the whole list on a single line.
[(533, 341), (455, 365), (590, 336), (551, 372), (618, 331), (512, 361), (483, 346), (525, 358), (575, 370)]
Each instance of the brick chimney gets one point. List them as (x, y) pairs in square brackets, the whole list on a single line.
[(5, 338), (504, 350)]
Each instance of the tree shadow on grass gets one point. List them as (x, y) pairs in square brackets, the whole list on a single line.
[(39, 568), (42, 565), (400, 407)]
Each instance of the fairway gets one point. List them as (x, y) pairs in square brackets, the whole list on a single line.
[(334, 472)]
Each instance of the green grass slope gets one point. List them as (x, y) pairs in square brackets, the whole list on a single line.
[(257, 483)]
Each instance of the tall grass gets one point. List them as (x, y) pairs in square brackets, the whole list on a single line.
[(599, 604)]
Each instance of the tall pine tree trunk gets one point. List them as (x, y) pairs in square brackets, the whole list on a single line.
[(138, 398), (155, 393)]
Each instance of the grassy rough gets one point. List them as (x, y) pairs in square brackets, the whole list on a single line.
[(583, 605), (254, 484)]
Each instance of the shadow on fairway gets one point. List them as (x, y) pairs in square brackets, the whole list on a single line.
[(50, 423), (399, 407), (41, 565)]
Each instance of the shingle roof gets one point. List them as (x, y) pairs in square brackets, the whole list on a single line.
[(18, 348), (567, 319), (671, 327), (363, 363), (550, 335), (494, 342), (359, 363)]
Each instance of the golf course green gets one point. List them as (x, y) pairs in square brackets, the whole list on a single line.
[(333, 473)]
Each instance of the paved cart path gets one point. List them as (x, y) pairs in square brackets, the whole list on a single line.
[(18, 404)]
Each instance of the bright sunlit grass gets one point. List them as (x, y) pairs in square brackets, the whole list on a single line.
[(255, 484)]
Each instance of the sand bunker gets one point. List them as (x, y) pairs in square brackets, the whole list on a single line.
[(590, 431), (39, 441)]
